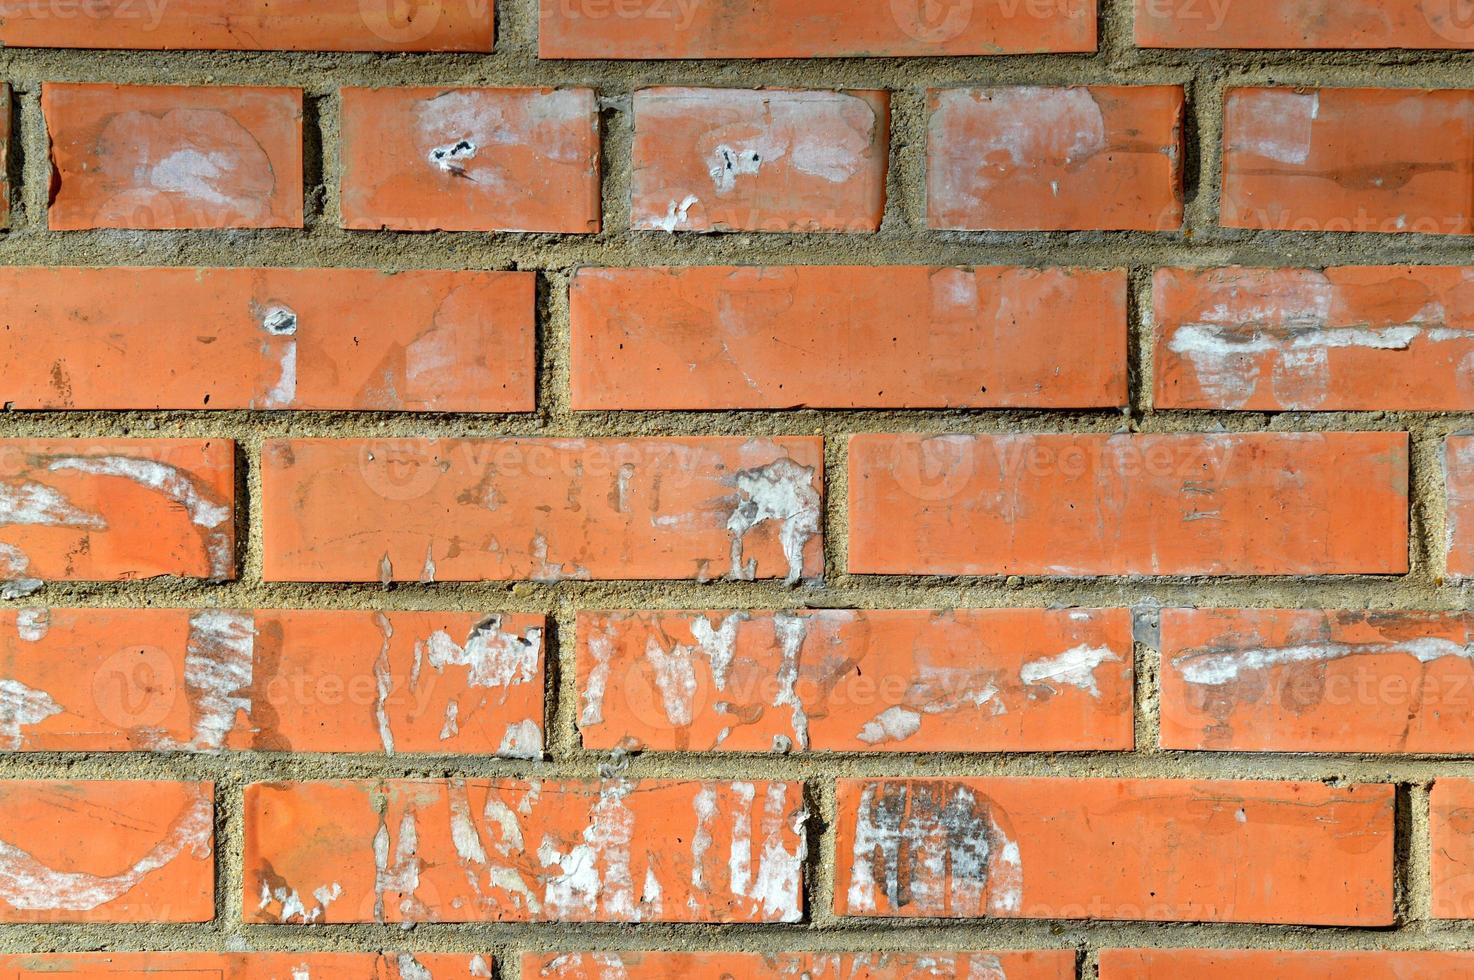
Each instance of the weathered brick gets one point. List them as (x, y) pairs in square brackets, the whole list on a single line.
[(519, 851), (1388, 338), (1035, 965), (110, 509), (848, 337), (1320, 964), (1149, 849), (247, 966), (1349, 160), (1305, 680), (419, 340), (1451, 845), (1078, 505), (1458, 475), (115, 680), (809, 29), (5, 135), (1018, 158), (722, 159), (250, 25), (174, 156), (542, 509), (854, 681), (470, 159), (1302, 24), (104, 851)]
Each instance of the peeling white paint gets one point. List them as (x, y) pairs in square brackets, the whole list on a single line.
[(781, 491), (218, 666), (726, 164), (37, 504), (383, 683), (401, 877), (492, 656), (601, 648), (32, 625), (1224, 667), (194, 174), (791, 631), (679, 213), (675, 678), (523, 740), (21, 706), (1280, 125), (895, 724), (1075, 667), (411, 968)]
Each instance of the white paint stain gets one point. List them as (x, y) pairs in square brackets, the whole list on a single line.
[(679, 213), (384, 683), (782, 491), (218, 667), (37, 504), (523, 740), (1224, 667), (1075, 667), (894, 724), (1280, 125), (791, 631), (32, 625), (22, 706)]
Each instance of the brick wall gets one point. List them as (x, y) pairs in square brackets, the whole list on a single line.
[(797, 488)]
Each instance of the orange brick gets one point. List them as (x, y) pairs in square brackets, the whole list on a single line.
[(116, 680), (1349, 160), (1320, 964), (808, 29), (1154, 850), (848, 337), (102, 851), (247, 966), (5, 135), (518, 851), (1302, 24), (542, 509), (1392, 338), (1079, 505), (1018, 158), (110, 509), (470, 159), (1451, 832), (421, 340), (718, 159), (1304, 680), (853, 681), (1037, 965), (173, 156), (1458, 475)]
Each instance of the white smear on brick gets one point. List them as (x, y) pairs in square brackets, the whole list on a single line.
[(705, 806), (679, 213), (1075, 667), (384, 683), (894, 724), (596, 872), (37, 504), (523, 740), (193, 174), (780, 871), (727, 163), (781, 491), (412, 969), (791, 631), (32, 625), (402, 876), (601, 648), (675, 678), (1280, 126), (1226, 667), (218, 667), (22, 706), (26, 883)]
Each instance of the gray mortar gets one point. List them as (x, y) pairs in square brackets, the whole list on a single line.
[(903, 239)]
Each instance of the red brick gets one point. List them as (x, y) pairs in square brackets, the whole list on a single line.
[(1320, 964), (1036, 965), (518, 851), (1458, 474), (808, 29), (247, 966), (1155, 850), (1080, 505), (117, 680), (1305, 680), (470, 159), (342, 339), (251, 25), (848, 337), (1349, 160), (845, 680), (111, 509), (542, 509), (1390, 338), (104, 851), (173, 156), (718, 159), (1302, 24), (1451, 844), (1020, 158), (5, 136)]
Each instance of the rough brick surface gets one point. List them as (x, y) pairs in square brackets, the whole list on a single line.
[(1349, 160), (848, 337), (1451, 834), (542, 509), (116, 509), (1458, 476), (518, 851), (1350, 338), (105, 851), (1290, 680), (248, 966), (709, 159), (250, 25), (178, 680), (1235, 964), (171, 156), (808, 29), (1078, 505), (855, 681), (1303, 24), (1040, 965), (1160, 850), (1105, 157), (268, 339), (470, 159)]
